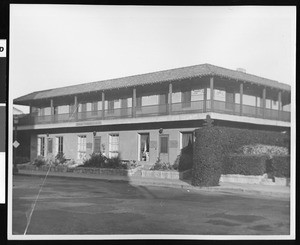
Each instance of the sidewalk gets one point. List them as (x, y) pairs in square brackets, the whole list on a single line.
[(224, 187)]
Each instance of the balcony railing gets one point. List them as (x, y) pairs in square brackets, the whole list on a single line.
[(199, 106)]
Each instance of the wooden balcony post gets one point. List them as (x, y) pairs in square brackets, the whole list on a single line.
[(279, 104), (52, 110), (255, 106), (170, 98), (204, 99), (241, 98), (75, 110), (211, 93), (264, 102), (134, 102), (103, 105)]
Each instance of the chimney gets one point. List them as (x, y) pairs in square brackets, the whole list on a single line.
[(241, 70)]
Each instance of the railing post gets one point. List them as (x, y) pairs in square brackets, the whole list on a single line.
[(170, 98), (75, 110), (52, 110), (241, 98), (255, 106), (212, 93), (134, 102), (204, 99), (264, 102), (103, 105), (279, 105)]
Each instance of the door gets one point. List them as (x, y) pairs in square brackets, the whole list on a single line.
[(144, 147), (81, 154), (164, 147)]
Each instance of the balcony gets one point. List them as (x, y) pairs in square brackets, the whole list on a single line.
[(191, 107)]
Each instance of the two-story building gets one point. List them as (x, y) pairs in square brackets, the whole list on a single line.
[(147, 116)]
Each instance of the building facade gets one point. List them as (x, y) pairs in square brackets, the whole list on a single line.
[(148, 116)]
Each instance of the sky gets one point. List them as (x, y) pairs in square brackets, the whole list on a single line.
[(60, 45)]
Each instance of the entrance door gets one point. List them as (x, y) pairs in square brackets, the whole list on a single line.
[(81, 154), (144, 147), (164, 147)]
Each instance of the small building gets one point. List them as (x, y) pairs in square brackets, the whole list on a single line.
[(148, 116)]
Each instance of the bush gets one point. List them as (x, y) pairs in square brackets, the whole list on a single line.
[(245, 164), (115, 162), (60, 158), (20, 160), (39, 161), (260, 149), (207, 158), (96, 160), (162, 166), (213, 143), (281, 166)]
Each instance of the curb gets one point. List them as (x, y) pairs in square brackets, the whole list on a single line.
[(158, 182)]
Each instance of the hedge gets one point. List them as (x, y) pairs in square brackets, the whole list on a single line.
[(213, 143), (244, 164), (281, 166), (207, 157)]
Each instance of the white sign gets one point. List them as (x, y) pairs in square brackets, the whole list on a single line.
[(16, 144), (198, 92), (2, 48)]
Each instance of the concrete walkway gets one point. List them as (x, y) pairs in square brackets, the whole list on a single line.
[(224, 187)]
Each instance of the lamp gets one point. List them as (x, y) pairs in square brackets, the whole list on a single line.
[(94, 133), (160, 130)]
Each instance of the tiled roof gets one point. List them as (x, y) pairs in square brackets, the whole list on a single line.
[(150, 78)]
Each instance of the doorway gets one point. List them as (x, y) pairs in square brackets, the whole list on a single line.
[(144, 147), (164, 147)]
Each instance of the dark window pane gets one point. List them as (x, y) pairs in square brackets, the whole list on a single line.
[(97, 144), (163, 144)]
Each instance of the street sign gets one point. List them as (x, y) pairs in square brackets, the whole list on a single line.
[(16, 144)]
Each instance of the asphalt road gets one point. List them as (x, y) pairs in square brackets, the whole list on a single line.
[(84, 206)]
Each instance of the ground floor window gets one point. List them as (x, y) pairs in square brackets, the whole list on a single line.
[(97, 144), (41, 146), (113, 145), (81, 147), (144, 146), (59, 145)]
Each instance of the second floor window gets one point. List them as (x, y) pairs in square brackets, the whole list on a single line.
[(138, 102), (186, 98), (110, 106), (94, 108)]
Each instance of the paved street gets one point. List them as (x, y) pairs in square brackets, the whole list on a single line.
[(86, 206)]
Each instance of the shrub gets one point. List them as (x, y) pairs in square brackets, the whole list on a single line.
[(245, 164), (60, 158), (163, 166), (260, 149), (96, 160), (207, 157), (39, 161), (281, 166), (114, 162), (129, 164), (213, 143)]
